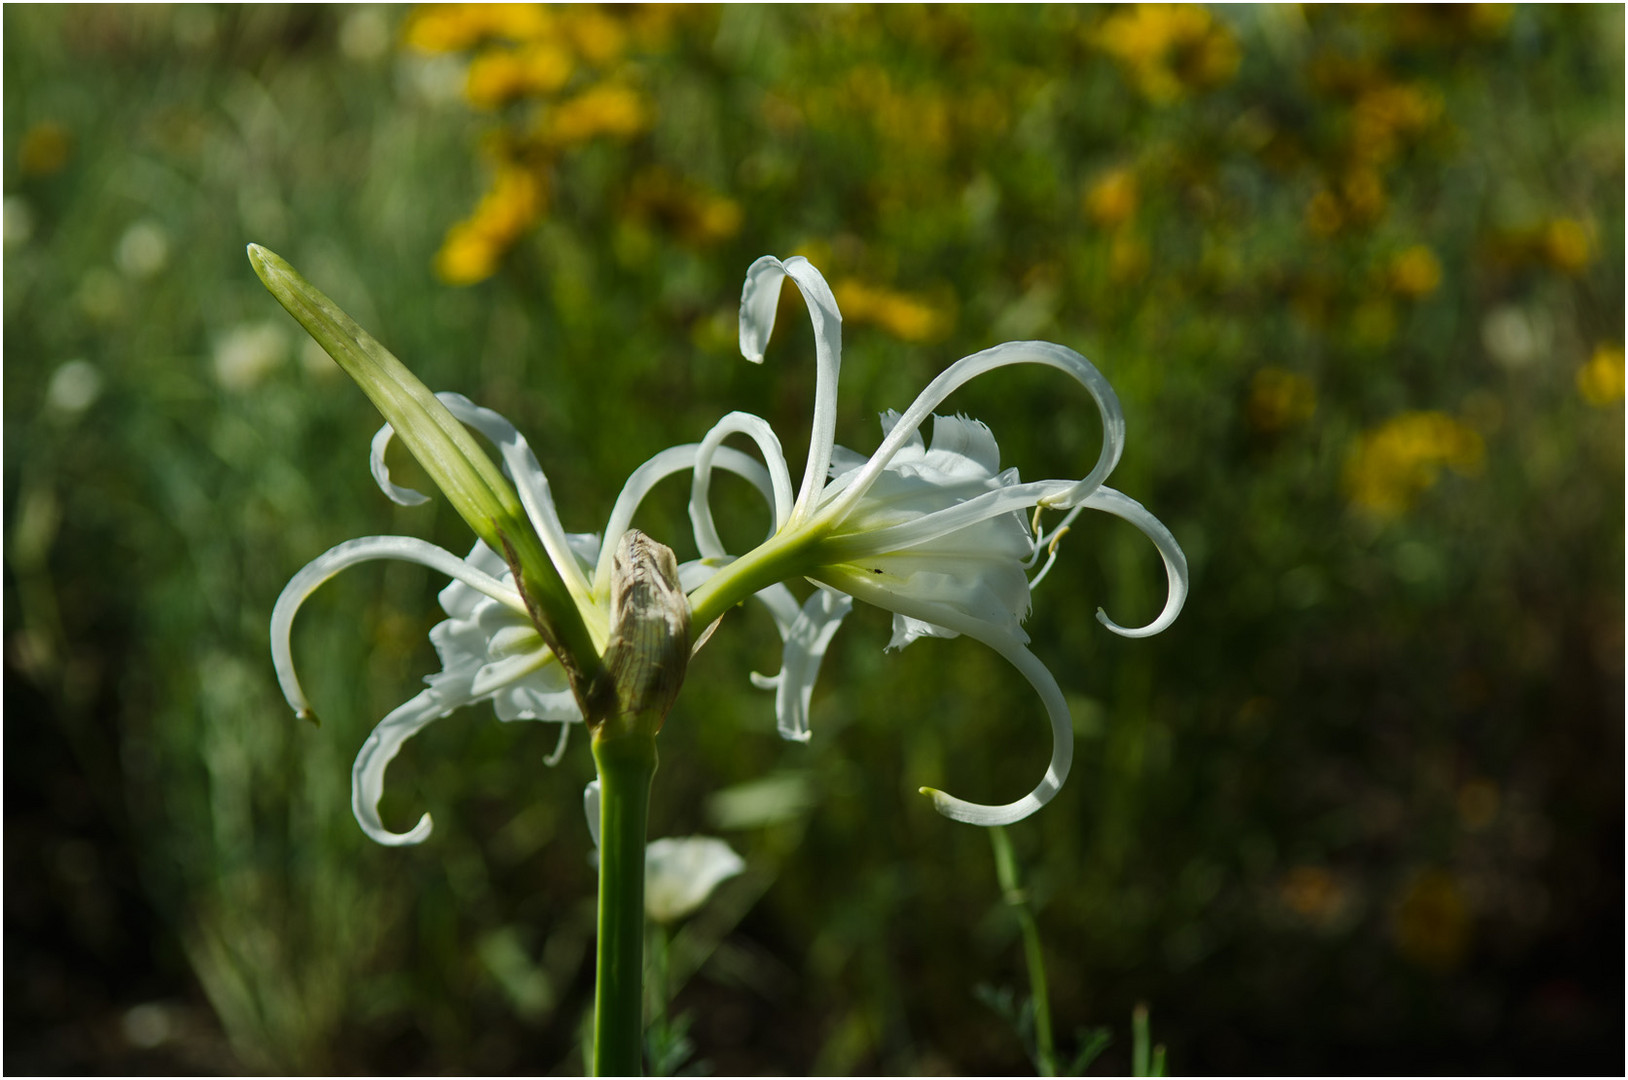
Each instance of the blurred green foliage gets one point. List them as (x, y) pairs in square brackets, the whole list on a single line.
[(1356, 274)]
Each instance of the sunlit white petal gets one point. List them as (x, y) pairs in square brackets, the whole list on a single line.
[(681, 872), (759, 298), (402, 496), (349, 553)]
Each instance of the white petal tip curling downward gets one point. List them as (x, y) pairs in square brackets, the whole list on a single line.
[(416, 835), (979, 814)]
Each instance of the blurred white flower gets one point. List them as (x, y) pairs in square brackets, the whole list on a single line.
[(19, 221), (247, 353), (364, 35), (74, 386), (143, 250), (680, 872)]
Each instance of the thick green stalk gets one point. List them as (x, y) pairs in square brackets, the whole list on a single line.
[(1012, 890), (627, 762), (645, 659)]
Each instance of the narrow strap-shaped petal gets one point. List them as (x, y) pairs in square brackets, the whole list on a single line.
[(929, 527), (806, 642), (759, 298), (351, 552), (401, 496), (1175, 562), (1016, 654), (531, 483), (367, 775), (676, 459), (1045, 353), (759, 431)]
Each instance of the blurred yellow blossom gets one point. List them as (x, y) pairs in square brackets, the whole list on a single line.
[(1432, 921), (1478, 804), (605, 109), (1323, 215), (1402, 458), (597, 36), (474, 246), (43, 149), (1565, 244), (1314, 894), (1128, 257), (1415, 272), (1364, 193), (500, 74), (1169, 49), (1384, 113), (1600, 381), (699, 217), (1111, 200), (457, 27), (1279, 399), (906, 317)]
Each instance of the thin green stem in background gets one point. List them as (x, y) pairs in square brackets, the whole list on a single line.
[(1140, 1038), (1012, 890), (627, 762)]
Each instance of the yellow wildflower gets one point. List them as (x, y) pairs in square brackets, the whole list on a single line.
[(457, 27), (1415, 272), (1323, 215), (43, 149), (1600, 381), (1392, 465), (1169, 49), (1314, 894), (1384, 113), (1112, 199), (906, 317), (698, 216), (1565, 245), (1432, 921), (1279, 399), (1128, 257), (598, 37), (1364, 194), (472, 248), (606, 109), (499, 75)]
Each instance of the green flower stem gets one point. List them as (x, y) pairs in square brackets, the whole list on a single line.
[(626, 756), (1012, 890), (790, 555)]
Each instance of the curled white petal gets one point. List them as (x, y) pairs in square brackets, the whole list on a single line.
[(676, 459), (759, 298), (529, 480), (396, 493), (806, 640), (1016, 654), (351, 552), (1175, 561), (1044, 353), (758, 430), (367, 775)]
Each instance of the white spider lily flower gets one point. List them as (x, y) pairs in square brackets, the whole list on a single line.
[(489, 647), (939, 535), (680, 872)]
